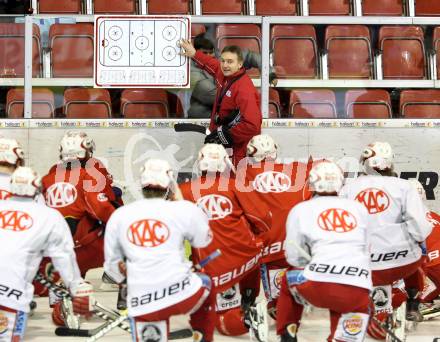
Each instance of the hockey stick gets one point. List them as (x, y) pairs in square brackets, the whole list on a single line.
[(190, 127), (385, 327), (177, 334)]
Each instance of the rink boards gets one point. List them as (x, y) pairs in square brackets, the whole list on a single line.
[(124, 144)]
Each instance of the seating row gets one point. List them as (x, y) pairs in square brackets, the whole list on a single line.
[(89, 103), (240, 7)]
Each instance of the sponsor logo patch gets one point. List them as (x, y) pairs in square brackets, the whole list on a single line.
[(352, 325), (4, 323), (101, 197)]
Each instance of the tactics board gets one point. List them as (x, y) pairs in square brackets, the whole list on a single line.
[(141, 51)]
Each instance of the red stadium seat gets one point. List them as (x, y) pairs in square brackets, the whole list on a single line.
[(223, 7), (423, 103), (329, 7), (312, 104), (403, 52), (71, 50), (60, 6), (276, 7), (144, 103), (169, 6), (429, 8), (274, 104), (368, 104), (295, 51), (87, 103), (383, 7), (246, 36), (114, 7), (349, 51), (436, 47), (197, 29), (43, 103), (12, 50)]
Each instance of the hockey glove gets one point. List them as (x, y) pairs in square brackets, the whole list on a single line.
[(83, 299), (220, 136)]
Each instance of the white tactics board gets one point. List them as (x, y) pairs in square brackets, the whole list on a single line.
[(141, 51)]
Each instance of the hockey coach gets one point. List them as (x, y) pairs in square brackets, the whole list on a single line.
[(236, 115)]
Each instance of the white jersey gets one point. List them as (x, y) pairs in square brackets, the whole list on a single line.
[(397, 215), (334, 232), (5, 180), (29, 231), (149, 234)]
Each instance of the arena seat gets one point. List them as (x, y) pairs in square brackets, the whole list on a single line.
[(246, 36), (329, 7), (144, 103), (274, 104), (312, 104), (114, 7), (403, 52), (349, 51), (421, 103), (276, 7), (197, 29), (368, 104), (60, 6), (295, 51), (223, 7), (169, 7), (383, 7), (12, 50), (87, 103), (429, 8), (43, 103), (436, 47), (71, 50)]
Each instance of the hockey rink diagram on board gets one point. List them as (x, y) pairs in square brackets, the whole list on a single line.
[(141, 51)]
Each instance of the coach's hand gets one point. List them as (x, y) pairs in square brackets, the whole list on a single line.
[(188, 49)]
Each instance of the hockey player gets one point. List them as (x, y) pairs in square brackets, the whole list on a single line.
[(11, 157), (280, 187), (328, 236), (399, 223), (29, 230), (149, 233), (235, 217), (80, 194)]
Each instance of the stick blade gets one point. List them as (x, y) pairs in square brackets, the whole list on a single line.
[(189, 127), (65, 331), (179, 334)]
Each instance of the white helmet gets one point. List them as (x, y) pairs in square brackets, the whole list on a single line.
[(261, 147), (213, 158), (378, 155), (419, 187), (76, 145), (326, 177), (25, 182), (11, 152), (157, 174)]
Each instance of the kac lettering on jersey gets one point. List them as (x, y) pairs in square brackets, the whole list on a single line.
[(337, 220), (4, 195), (16, 221), (10, 292), (388, 256), (148, 233), (271, 181), (215, 206), (60, 195), (335, 269), (375, 200), (236, 272), (160, 294)]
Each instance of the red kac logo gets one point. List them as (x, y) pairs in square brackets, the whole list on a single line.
[(272, 181), (16, 221), (215, 206), (148, 233), (337, 220), (375, 200), (4, 195), (60, 195)]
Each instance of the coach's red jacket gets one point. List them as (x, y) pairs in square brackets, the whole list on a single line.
[(242, 95)]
